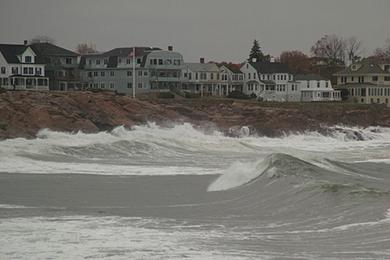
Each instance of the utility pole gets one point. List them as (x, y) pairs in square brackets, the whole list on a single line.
[(134, 82)]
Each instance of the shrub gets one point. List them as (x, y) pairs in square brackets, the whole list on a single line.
[(191, 95), (166, 95), (238, 95)]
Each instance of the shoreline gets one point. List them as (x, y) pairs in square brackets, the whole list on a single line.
[(25, 113)]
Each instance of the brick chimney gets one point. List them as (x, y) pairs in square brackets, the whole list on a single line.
[(202, 60), (170, 47), (25, 42)]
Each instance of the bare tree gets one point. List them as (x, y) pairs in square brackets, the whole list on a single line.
[(298, 62), (84, 48), (42, 39), (384, 52), (354, 49), (330, 47)]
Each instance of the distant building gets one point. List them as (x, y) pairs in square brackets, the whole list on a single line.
[(366, 82), (156, 69), (21, 69), (62, 66), (270, 81), (314, 88), (231, 78), (202, 78)]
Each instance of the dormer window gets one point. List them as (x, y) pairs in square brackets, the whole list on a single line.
[(28, 59)]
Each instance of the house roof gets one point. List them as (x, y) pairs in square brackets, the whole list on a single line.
[(235, 68), (47, 49), (11, 52), (309, 77), (212, 67), (367, 66), (124, 52), (269, 82), (270, 67)]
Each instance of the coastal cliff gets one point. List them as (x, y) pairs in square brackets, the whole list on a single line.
[(23, 113)]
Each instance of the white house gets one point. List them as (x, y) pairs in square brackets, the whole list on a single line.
[(315, 88), (21, 68), (231, 77), (201, 78), (270, 81)]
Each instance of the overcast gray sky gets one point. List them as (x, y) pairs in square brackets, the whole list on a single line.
[(214, 29)]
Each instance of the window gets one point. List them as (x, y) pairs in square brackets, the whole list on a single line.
[(90, 74), (212, 76), (254, 75), (327, 84), (387, 67), (119, 60), (145, 73), (203, 76), (128, 61), (375, 78), (15, 70), (97, 62), (139, 61), (3, 69), (190, 76), (129, 85), (176, 62), (112, 73), (31, 71), (196, 75), (112, 85), (28, 59), (168, 62), (105, 61), (352, 79), (102, 85), (387, 78), (95, 73), (103, 74), (25, 70), (38, 71), (129, 73), (68, 60), (140, 85), (89, 61), (249, 76), (318, 84), (160, 62), (140, 73)]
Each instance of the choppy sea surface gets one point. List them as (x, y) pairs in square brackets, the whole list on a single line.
[(183, 192)]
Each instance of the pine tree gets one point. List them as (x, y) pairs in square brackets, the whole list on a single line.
[(257, 54)]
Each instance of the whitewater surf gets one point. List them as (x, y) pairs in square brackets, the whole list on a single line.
[(185, 192)]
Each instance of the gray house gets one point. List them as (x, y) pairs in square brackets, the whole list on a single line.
[(155, 69), (62, 66)]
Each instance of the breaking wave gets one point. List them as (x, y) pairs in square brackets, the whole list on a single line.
[(181, 149)]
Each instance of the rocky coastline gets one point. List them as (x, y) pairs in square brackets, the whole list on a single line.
[(24, 113)]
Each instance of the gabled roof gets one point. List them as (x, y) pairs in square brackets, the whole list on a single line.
[(309, 77), (204, 67), (270, 67), (47, 49), (124, 52), (235, 68), (11, 52), (366, 66)]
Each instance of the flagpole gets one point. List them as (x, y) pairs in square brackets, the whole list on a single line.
[(133, 72)]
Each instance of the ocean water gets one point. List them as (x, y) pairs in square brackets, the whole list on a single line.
[(184, 192)]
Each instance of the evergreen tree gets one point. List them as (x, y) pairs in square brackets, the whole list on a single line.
[(257, 54)]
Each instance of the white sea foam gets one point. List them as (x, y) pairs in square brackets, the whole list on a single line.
[(83, 237), (180, 149)]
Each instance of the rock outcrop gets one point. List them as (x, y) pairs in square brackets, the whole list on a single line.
[(23, 114)]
